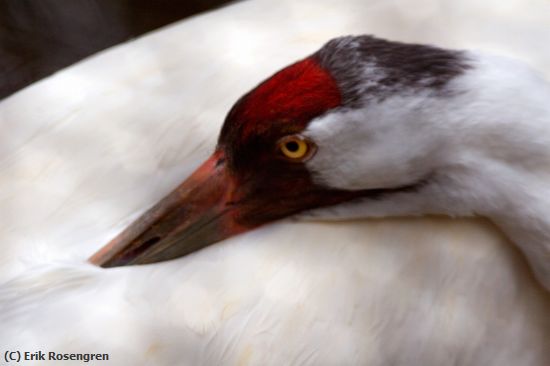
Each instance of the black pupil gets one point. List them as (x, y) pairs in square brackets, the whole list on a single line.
[(292, 146)]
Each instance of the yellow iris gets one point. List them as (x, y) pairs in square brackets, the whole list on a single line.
[(294, 147)]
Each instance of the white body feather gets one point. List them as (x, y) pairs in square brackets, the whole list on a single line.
[(90, 148)]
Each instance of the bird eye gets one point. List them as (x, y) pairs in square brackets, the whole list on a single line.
[(296, 148)]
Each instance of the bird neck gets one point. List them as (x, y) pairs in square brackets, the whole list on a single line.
[(528, 226), (499, 140), (505, 176)]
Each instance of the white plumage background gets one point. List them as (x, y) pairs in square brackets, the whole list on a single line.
[(85, 151)]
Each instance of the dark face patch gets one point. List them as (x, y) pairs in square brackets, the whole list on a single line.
[(280, 106), (283, 104)]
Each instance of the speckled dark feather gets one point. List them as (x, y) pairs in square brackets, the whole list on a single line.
[(370, 69)]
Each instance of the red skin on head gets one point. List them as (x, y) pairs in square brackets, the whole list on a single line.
[(295, 95)]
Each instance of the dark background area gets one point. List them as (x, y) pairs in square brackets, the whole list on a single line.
[(39, 37)]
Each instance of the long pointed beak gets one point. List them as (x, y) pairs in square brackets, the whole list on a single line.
[(196, 214)]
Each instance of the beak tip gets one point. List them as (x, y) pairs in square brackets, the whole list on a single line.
[(193, 216), (103, 260)]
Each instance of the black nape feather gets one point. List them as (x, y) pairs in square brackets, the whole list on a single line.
[(368, 68)]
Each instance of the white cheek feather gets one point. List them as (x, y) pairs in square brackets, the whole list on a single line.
[(484, 149), (381, 146), (500, 108)]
